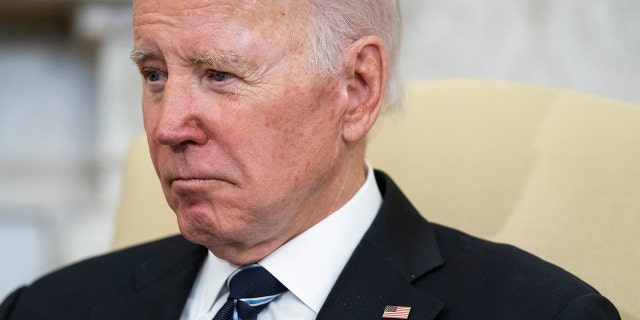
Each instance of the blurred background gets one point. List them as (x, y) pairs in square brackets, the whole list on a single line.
[(69, 97)]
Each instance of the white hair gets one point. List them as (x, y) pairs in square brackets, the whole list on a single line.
[(335, 24)]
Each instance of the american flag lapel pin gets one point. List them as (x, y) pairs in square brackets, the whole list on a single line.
[(396, 312)]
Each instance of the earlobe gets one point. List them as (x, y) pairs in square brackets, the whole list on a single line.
[(366, 64)]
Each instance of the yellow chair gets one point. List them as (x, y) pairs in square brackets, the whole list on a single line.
[(553, 171)]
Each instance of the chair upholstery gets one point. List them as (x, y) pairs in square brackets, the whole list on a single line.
[(555, 172)]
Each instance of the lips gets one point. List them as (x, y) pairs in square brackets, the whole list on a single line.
[(189, 182), (181, 174), (190, 179), (198, 181)]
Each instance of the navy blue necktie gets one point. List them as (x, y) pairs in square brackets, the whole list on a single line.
[(250, 290)]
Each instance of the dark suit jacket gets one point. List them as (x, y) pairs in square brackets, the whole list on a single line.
[(402, 260)]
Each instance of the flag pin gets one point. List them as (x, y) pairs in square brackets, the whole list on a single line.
[(396, 312)]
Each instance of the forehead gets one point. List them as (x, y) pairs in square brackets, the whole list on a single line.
[(217, 23), (247, 10)]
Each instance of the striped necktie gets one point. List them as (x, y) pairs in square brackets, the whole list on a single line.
[(251, 288)]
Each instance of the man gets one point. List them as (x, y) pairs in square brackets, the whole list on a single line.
[(256, 114)]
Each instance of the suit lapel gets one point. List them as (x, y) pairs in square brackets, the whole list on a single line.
[(161, 284), (398, 248)]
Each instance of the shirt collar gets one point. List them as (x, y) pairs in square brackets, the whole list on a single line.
[(211, 282)]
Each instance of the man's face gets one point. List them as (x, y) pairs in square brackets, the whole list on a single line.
[(246, 142)]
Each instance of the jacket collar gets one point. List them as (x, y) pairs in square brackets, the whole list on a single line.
[(398, 248)]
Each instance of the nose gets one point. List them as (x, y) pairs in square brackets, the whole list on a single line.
[(178, 122)]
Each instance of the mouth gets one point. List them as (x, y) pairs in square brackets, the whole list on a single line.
[(198, 182)]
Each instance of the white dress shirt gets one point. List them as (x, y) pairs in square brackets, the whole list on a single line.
[(307, 265)]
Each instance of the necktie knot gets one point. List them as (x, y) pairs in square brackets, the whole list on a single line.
[(251, 288)]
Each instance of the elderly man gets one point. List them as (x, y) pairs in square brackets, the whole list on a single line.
[(256, 114)]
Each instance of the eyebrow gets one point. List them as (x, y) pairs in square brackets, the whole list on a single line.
[(213, 60), (219, 61), (140, 55)]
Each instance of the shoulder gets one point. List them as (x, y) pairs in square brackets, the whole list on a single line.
[(112, 266), (504, 280), (461, 250), (73, 290)]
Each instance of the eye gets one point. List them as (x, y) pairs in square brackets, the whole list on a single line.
[(153, 76), (219, 75), (154, 80), (220, 81)]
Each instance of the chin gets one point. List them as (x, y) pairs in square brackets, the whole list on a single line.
[(194, 225), (198, 227)]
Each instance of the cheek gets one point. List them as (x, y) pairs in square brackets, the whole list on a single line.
[(148, 118), (305, 132), (302, 110), (150, 125)]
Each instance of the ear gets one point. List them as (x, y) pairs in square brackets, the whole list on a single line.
[(366, 76)]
